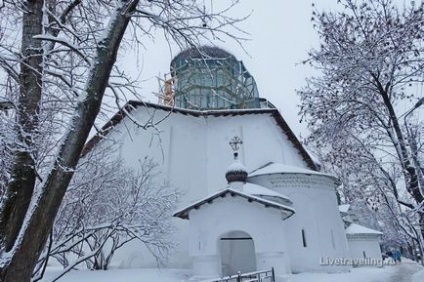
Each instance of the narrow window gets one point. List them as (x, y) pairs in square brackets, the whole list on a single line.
[(304, 238), (364, 254), (332, 239)]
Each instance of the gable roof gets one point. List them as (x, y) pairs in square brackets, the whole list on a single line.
[(132, 105), (265, 193), (344, 208), (184, 212), (258, 190), (356, 229)]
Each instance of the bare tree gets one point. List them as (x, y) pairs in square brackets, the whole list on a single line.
[(6, 138), (57, 69), (366, 181), (107, 206), (371, 61)]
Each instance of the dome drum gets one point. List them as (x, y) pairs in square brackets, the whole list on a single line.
[(209, 78)]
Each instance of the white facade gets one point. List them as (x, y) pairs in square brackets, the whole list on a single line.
[(247, 234), (364, 245), (193, 152), (316, 229), (363, 242)]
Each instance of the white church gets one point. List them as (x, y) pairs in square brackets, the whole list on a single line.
[(254, 199)]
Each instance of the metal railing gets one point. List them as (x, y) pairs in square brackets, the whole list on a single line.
[(257, 276)]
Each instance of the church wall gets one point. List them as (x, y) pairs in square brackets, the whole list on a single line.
[(365, 251), (263, 142), (303, 234), (211, 221), (193, 154), (317, 214)]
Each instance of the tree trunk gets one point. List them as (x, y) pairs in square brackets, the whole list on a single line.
[(23, 175), (409, 170), (421, 240), (36, 231)]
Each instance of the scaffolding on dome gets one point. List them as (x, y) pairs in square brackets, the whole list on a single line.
[(209, 83)]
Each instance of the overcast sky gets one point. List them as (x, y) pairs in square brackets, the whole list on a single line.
[(281, 33)]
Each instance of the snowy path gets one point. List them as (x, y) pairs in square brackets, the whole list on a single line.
[(397, 273), (403, 273)]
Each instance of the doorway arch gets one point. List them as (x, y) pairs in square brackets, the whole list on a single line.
[(237, 253)]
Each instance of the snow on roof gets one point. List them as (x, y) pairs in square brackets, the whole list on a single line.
[(278, 168), (258, 190), (184, 212), (236, 166), (266, 194), (344, 208), (359, 229), (236, 172), (314, 158)]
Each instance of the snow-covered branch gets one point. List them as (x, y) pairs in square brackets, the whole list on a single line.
[(371, 63)]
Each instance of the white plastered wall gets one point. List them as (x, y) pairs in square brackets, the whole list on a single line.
[(211, 221), (317, 213), (193, 154), (367, 248)]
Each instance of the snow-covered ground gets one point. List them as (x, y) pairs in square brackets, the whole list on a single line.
[(120, 275), (418, 276), (407, 271), (397, 273)]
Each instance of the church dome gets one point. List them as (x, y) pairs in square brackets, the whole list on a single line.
[(202, 52), (210, 78), (236, 172)]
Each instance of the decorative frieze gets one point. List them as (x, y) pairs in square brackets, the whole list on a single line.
[(298, 181), (363, 236)]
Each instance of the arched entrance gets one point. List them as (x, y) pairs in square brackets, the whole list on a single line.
[(237, 251)]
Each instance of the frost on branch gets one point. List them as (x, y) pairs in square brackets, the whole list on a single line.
[(363, 107), (58, 59), (108, 205)]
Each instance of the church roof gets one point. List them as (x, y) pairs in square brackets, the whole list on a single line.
[(184, 212), (344, 208), (258, 190), (278, 168), (356, 229), (132, 105), (203, 52), (266, 193), (236, 172)]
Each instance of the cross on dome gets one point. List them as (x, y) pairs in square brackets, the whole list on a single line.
[(235, 144)]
